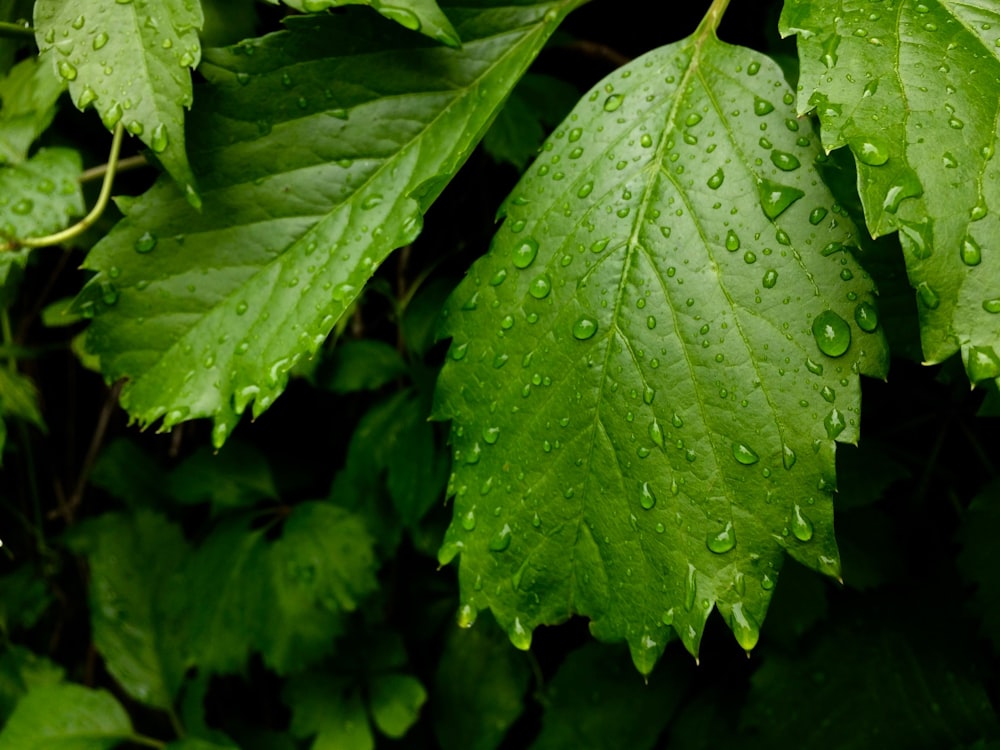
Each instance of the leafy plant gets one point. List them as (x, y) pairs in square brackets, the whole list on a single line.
[(600, 349)]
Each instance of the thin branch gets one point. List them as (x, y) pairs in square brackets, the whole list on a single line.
[(10, 30), (124, 165), (599, 52)]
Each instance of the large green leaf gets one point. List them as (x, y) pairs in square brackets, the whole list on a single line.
[(28, 94), (910, 88), (40, 195), (320, 148), (131, 61), (133, 560), (417, 15), (650, 367), (66, 717)]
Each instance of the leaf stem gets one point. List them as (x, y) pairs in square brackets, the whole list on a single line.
[(95, 213), (714, 16), (10, 30), (141, 739)]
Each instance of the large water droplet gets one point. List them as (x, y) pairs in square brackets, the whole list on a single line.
[(770, 278), (584, 328), (832, 333), (613, 102), (501, 540), (67, 70), (690, 588), (817, 215), (716, 180), (776, 198), (983, 364), (972, 254), (656, 433), (834, 423), (991, 306), (917, 238), (871, 151), (525, 253), (540, 286), (866, 316), (158, 141), (732, 241), (744, 627), (784, 161), (787, 456), (907, 185), (647, 498), (145, 243), (762, 107), (722, 541), (802, 527), (469, 520), (927, 296), (744, 454)]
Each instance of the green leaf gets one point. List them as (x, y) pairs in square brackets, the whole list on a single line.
[(595, 701), (133, 560), (329, 708), (45, 193), (417, 15), (18, 399), (537, 102), (878, 683), (216, 307), (28, 93), (235, 477), (883, 82), (24, 597), (363, 365), (127, 473), (66, 717), (650, 367), (321, 568), (977, 560), (131, 62), (479, 688), (395, 701), (22, 671)]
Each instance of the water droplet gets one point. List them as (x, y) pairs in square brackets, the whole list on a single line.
[(834, 423), (145, 243), (613, 102), (866, 316), (585, 190), (134, 127), (23, 207), (466, 616), (787, 457), (656, 433), (972, 254), (501, 540), (732, 241), (871, 151), (540, 286), (832, 334), (722, 541), (927, 296), (716, 180), (692, 119), (917, 238), (770, 278), (817, 215), (983, 364), (991, 306), (491, 435), (744, 627), (469, 520), (458, 351), (525, 253), (762, 107), (109, 295), (403, 16), (829, 56), (784, 161), (690, 588), (744, 454), (648, 498), (99, 41), (584, 328), (66, 70), (906, 186), (776, 198), (519, 636), (802, 527)]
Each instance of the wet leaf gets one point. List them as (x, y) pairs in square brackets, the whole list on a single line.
[(423, 16), (29, 93), (70, 716), (650, 367)]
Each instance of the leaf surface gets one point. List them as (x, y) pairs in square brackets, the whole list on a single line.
[(910, 88), (131, 61), (42, 193), (424, 16), (66, 716), (132, 560), (321, 147), (650, 367), (329, 708), (29, 93)]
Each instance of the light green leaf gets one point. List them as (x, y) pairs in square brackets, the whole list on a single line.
[(66, 717), (28, 94), (911, 90), (320, 569), (417, 15), (329, 708), (22, 671), (595, 702), (44, 193), (650, 367), (214, 308), (133, 559), (131, 61), (479, 688), (395, 701)]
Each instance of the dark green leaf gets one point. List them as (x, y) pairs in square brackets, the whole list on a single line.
[(235, 477), (132, 62), (911, 90), (24, 596), (66, 717), (395, 701), (650, 368), (329, 708), (336, 134), (196, 744), (479, 688), (28, 94), (363, 365), (978, 558), (417, 15), (133, 560), (127, 473)]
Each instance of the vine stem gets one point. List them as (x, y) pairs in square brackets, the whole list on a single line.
[(714, 16), (95, 213), (10, 30)]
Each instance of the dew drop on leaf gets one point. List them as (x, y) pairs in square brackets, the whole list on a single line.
[(787, 457), (784, 161), (525, 253), (817, 215), (717, 178), (927, 296), (802, 527), (722, 541), (770, 278), (871, 151), (145, 243), (972, 254), (762, 107), (647, 498), (832, 334), (776, 198), (744, 454), (834, 423), (991, 306), (540, 286), (584, 328), (866, 316), (732, 241), (613, 102), (744, 627)]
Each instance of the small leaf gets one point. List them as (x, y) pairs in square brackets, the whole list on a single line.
[(132, 62), (329, 708), (235, 477), (127, 473), (651, 366), (911, 92), (363, 365), (29, 93), (416, 15), (24, 597), (395, 701), (44, 193), (66, 716), (21, 672), (289, 235), (133, 559), (479, 688)]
